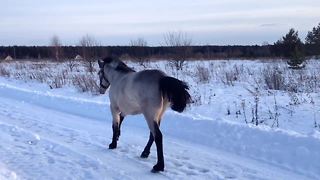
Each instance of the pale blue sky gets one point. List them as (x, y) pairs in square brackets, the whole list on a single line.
[(116, 22)]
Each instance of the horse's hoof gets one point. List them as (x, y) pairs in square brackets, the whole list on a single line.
[(144, 154), (157, 168), (112, 145)]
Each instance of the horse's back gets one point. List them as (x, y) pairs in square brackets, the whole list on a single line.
[(148, 94), (139, 91), (146, 83), (148, 77)]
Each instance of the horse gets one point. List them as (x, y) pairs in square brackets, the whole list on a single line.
[(147, 92)]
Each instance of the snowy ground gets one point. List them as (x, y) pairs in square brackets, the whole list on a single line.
[(51, 134), (224, 89), (63, 134)]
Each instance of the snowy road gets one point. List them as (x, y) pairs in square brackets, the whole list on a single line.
[(40, 141)]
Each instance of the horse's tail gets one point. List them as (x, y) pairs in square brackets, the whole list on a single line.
[(176, 92)]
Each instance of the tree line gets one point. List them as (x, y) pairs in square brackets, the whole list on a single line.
[(177, 46), (136, 52)]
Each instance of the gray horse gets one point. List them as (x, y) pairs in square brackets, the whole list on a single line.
[(148, 92)]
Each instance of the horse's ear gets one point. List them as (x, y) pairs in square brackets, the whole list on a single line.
[(122, 66), (101, 63)]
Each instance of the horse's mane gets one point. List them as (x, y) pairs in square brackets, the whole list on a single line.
[(122, 67)]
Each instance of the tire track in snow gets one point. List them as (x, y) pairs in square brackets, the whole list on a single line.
[(53, 149)]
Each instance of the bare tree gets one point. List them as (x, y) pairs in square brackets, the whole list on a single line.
[(88, 45), (71, 63), (139, 46), (180, 42), (56, 47), (140, 42)]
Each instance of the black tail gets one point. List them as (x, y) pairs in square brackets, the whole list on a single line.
[(176, 92)]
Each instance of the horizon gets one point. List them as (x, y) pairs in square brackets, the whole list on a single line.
[(117, 23)]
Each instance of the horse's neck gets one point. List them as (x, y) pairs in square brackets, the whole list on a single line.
[(114, 76)]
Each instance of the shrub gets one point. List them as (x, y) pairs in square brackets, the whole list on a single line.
[(4, 72), (202, 74), (274, 79), (86, 83)]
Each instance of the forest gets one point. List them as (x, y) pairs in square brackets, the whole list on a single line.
[(177, 46)]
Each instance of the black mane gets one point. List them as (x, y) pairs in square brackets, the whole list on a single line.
[(124, 68), (107, 60)]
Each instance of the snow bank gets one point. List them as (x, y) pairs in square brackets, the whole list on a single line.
[(279, 148)]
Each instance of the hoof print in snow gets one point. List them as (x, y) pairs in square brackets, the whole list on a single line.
[(32, 142)]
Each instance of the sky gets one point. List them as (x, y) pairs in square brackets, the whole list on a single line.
[(117, 22)]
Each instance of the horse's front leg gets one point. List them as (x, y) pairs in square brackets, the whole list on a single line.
[(146, 150), (116, 124)]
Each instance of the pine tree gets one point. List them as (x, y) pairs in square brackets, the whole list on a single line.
[(313, 36), (313, 40), (292, 48)]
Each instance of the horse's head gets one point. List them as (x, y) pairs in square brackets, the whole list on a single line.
[(108, 66), (104, 82)]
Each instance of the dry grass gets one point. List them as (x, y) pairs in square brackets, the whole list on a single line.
[(273, 76), (86, 83), (203, 74), (4, 72), (55, 75)]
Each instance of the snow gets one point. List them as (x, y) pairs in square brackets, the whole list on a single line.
[(7, 174), (63, 134), (51, 134)]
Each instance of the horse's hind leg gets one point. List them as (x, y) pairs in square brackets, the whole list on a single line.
[(154, 128), (158, 140), (146, 150), (116, 124), (153, 118)]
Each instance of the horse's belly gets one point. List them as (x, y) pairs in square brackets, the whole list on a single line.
[(130, 109)]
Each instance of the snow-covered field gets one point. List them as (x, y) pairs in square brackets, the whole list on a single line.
[(62, 133)]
